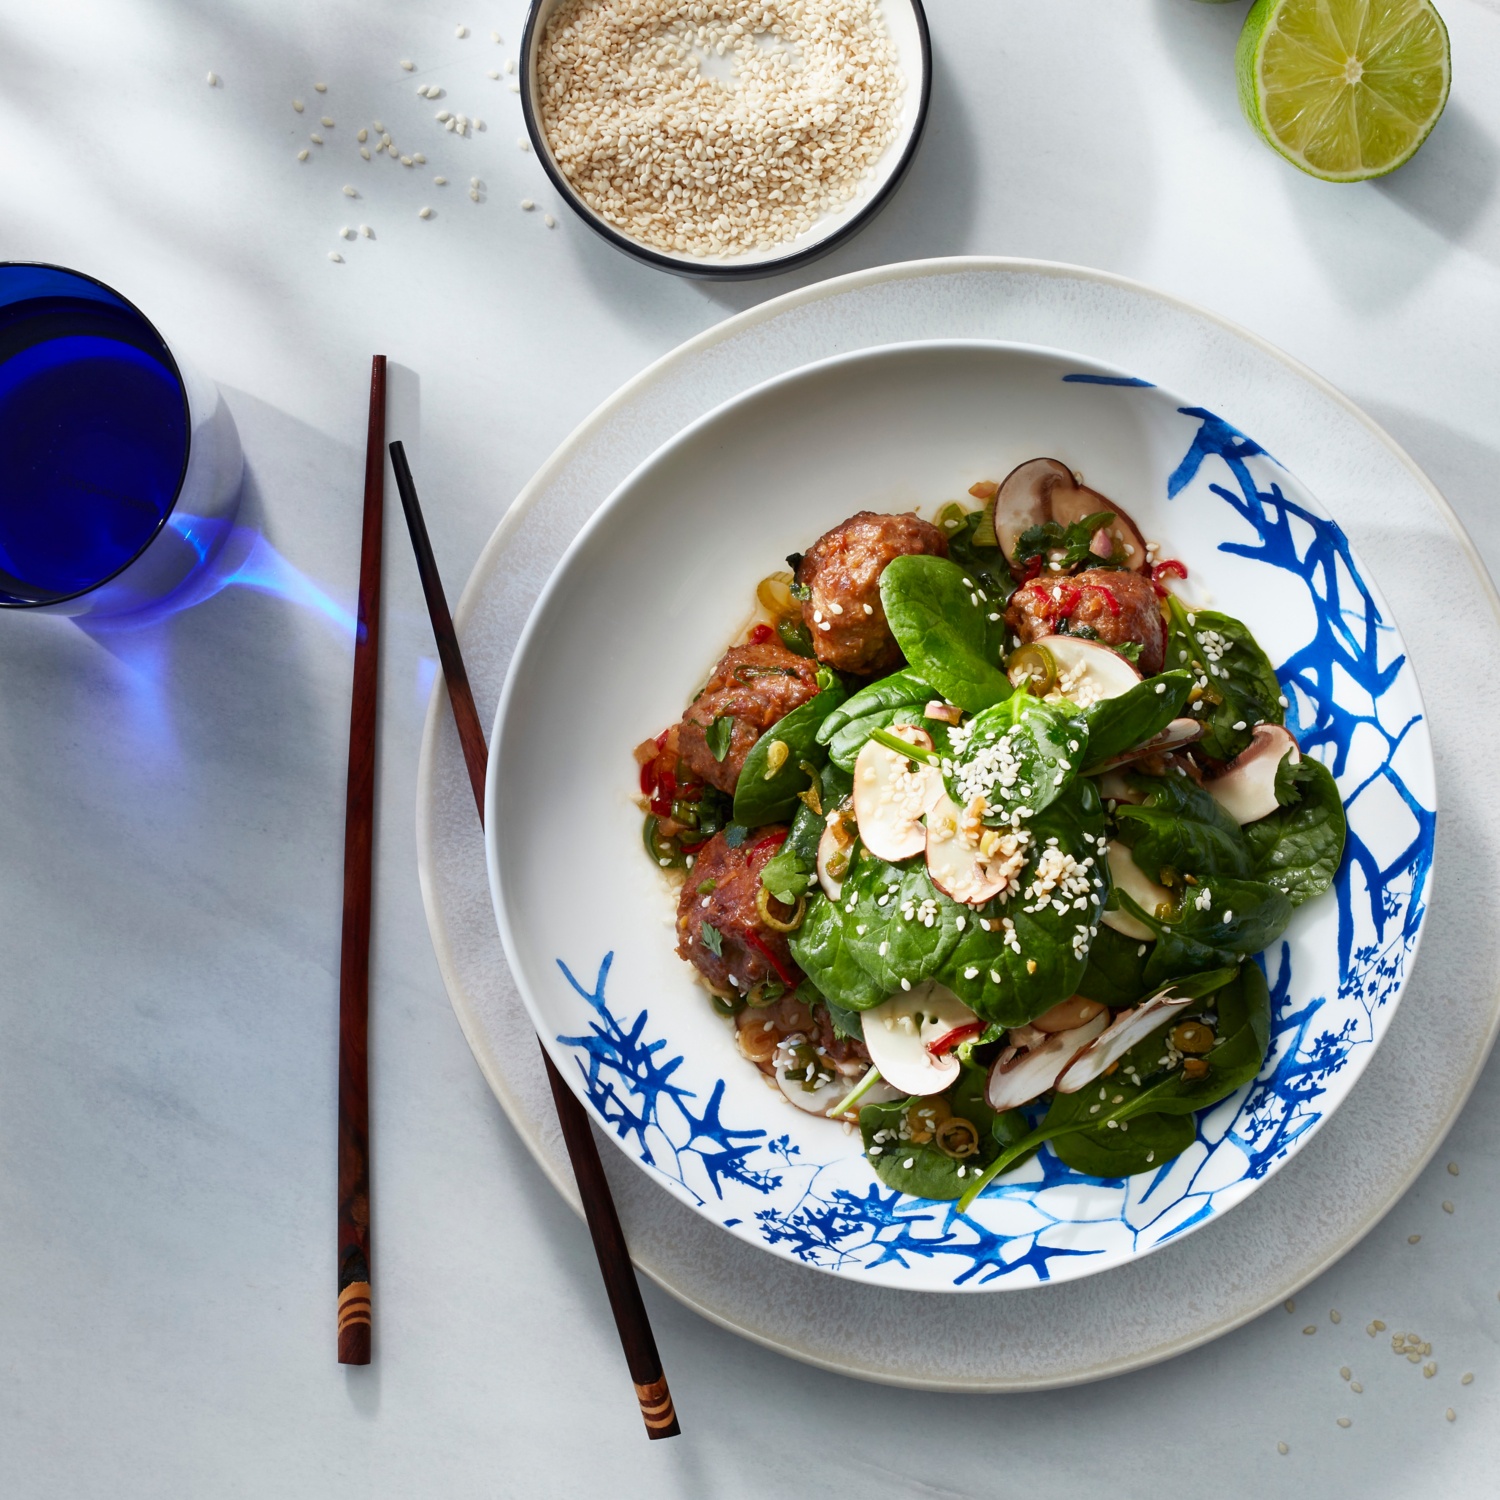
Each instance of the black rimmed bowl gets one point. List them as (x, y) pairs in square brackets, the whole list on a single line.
[(906, 24)]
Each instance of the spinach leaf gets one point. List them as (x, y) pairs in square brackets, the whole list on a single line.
[(899, 690), (1216, 922), (1299, 847), (1092, 1119), (899, 698), (1181, 829), (943, 626), (1119, 724), (1021, 753), (1116, 972), (1010, 973), (1238, 683), (822, 949), (762, 795), (896, 923), (932, 1173), (718, 735), (1141, 1144)]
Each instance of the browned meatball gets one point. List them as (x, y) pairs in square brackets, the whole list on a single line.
[(753, 685), (842, 569), (1118, 607), (721, 890)]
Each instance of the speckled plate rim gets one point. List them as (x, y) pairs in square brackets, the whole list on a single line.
[(1389, 1192)]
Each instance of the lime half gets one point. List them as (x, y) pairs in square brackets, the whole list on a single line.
[(1344, 89)]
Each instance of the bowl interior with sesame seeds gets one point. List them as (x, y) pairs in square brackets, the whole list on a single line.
[(1260, 928), (740, 144)]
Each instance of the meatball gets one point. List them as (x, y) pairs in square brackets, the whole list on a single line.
[(750, 952), (1116, 606), (842, 570), (753, 685)]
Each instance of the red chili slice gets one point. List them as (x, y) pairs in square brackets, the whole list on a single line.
[(761, 634), (771, 841), (648, 778), (951, 1039), (1169, 567), (664, 795), (781, 970), (1109, 599)]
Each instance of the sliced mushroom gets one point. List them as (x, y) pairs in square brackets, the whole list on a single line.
[(816, 1101), (1024, 499), (833, 851), (1068, 1015), (1086, 672), (1018, 1076), (899, 1034), (1074, 502), (1141, 889), (1178, 733), (1127, 1028), (891, 794), (1246, 787), (956, 858)]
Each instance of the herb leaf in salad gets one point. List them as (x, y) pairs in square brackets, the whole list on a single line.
[(1299, 847), (772, 778)]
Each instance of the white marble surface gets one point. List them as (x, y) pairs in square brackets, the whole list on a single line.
[(170, 832)]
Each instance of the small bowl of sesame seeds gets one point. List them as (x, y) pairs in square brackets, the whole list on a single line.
[(726, 139)]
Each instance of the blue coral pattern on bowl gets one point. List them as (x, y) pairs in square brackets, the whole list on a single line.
[(1350, 694)]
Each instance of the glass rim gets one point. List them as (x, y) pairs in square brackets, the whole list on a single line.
[(187, 447)]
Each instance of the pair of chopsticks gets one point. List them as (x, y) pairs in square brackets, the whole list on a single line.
[(354, 1308)]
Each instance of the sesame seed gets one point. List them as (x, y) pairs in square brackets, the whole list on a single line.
[(302, 154), (1453, 1169), (1447, 1206), (322, 88), (527, 205), (441, 181), (327, 122), (420, 160), (213, 80), (1413, 1239), (1450, 1415), (335, 256), (906, 984), (493, 73), (494, 36), (515, 88), (317, 140), (298, 105), (426, 213), (362, 134), (365, 230), (510, 65), (1356, 1387), (1345, 1372), (346, 233), (1467, 1378), (407, 64), (364, 151), (909, 1162), (461, 32), (379, 129), (1311, 1327), (474, 195), (1345, 1422), (1333, 1317), (549, 221), (349, 191), (1282, 1448)]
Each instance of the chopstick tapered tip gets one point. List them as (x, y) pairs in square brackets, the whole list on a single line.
[(354, 1324)]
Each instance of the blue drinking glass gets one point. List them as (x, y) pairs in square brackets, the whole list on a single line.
[(120, 468)]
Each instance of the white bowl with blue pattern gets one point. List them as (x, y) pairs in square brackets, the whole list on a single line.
[(662, 578)]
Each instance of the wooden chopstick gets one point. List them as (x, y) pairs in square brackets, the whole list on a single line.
[(593, 1187), (355, 1323)]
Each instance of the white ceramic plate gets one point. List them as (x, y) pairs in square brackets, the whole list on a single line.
[(1364, 1159), (663, 577)]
